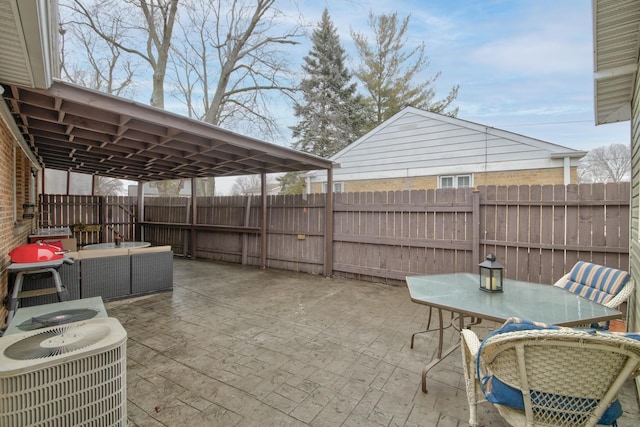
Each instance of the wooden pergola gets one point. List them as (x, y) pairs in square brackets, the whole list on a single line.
[(75, 129)]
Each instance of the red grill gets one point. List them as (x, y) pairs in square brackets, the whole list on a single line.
[(36, 252)]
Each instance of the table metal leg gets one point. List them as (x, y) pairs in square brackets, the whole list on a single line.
[(425, 331), (440, 355)]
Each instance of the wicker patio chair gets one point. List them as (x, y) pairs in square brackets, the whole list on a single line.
[(540, 375)]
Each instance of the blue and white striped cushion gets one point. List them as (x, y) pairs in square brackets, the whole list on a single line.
[(595, 282)]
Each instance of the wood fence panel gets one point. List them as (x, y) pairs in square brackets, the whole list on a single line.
[(571, 224), (430, 221), (559, 233), (510, 254), (421, 259), (489, 224), (522, 272), (598, 239), (535, 218), (438, 255), (380, 259), (501, 213), (462, 230), (617, 223), (546, 234), (584, 218), (537, 232)]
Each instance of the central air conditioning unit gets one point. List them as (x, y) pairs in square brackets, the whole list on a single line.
[(68, 375)]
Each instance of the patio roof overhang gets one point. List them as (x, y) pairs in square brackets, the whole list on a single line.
[(616, 44), (75, 129)]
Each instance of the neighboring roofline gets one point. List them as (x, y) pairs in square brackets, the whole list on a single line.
[(459, 122), (37, 26), (571, 154)]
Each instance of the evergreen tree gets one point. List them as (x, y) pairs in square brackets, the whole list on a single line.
[(389, 72), (331, 115)]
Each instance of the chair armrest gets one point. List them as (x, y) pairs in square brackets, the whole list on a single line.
[(470, 345), (623, 295), (470, 342)]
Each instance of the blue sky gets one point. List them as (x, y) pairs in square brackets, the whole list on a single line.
[(523, 66)]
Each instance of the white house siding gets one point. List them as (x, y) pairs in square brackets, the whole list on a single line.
[(419, 143), (633, 307)]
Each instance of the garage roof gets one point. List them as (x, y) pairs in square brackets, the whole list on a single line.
[(79, 130)]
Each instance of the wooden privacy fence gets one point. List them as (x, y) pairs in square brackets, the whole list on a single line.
[(537, 232), (93, 219)]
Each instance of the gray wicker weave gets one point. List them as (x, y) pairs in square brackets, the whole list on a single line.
[(151, 272), (568, 365), (108, 277)]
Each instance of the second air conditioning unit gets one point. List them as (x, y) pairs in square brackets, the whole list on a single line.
[(69, 375)]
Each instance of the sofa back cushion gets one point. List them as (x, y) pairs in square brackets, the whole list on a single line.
[(102, 253)]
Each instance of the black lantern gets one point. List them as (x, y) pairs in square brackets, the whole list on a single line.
[(491, 273)]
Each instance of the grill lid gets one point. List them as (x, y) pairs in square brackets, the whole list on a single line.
[(35, 252)]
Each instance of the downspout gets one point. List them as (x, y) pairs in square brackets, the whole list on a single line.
[(566, 162), (567, 170)]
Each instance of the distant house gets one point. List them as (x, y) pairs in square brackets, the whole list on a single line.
[(151, 189), (272, 190), (417, 149)]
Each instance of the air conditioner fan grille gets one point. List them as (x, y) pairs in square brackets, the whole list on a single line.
[(56, 341)]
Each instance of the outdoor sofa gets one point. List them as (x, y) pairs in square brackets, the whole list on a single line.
[(108, 273)]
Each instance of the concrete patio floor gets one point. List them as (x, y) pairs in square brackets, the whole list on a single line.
[(241, 346)]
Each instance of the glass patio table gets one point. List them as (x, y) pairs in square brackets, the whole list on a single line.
[(126, 245), (459, 293)]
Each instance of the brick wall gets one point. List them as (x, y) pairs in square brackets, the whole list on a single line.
[(518, 177), (12, 233)]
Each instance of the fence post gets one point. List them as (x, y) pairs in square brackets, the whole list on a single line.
[(102, 218), (328, 226), (475, 214), (245, 236), (194, 219)]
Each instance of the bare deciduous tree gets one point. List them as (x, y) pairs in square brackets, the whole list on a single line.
[(249, 184), (136, 23), (606, 164), (106, 186), (103, 66), (228, 63)]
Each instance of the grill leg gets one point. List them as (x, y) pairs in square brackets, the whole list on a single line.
[(63, 293)]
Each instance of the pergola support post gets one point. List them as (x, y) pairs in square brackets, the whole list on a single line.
[(194, 218), (328, 227), (139, 235), (263, 225)]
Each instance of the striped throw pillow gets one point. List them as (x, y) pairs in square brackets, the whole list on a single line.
[(595, 282)]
